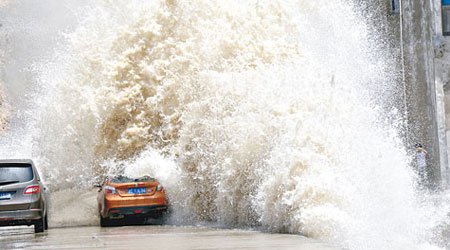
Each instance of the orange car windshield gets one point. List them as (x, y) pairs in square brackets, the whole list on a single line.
[(125, 179), (121, 179), (145, 179)]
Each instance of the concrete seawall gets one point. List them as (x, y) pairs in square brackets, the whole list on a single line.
[(423, 54)]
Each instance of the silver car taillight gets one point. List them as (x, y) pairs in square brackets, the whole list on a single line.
[(33, 189)]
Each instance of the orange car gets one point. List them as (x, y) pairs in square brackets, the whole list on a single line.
[(121, 197)]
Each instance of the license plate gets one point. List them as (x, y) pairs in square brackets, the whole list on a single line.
[(4, 196), (137, 190)]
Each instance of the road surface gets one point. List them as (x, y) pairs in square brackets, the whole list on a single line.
[(153, 237)]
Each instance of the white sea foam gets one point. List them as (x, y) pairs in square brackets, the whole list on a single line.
[(251, 113)]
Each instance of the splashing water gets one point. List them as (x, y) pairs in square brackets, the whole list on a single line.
[(251, 113)]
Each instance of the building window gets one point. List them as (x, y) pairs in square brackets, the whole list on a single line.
[(446, 17), (395, 6)]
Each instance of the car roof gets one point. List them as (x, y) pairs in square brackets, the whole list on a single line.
[(24, 161)]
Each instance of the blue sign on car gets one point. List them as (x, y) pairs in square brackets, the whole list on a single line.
[(445, 2), (137, 190), (5, 196)]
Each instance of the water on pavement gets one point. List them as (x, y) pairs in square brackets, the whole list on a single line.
[(153, 237)]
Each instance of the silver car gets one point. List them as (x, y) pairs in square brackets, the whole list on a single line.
[(22, 195)]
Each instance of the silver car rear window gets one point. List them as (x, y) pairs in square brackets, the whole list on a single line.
[(13, 173)]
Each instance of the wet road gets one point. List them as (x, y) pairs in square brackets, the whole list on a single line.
[(152, 237)]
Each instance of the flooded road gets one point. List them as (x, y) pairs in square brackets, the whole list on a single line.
[(153, 237)]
